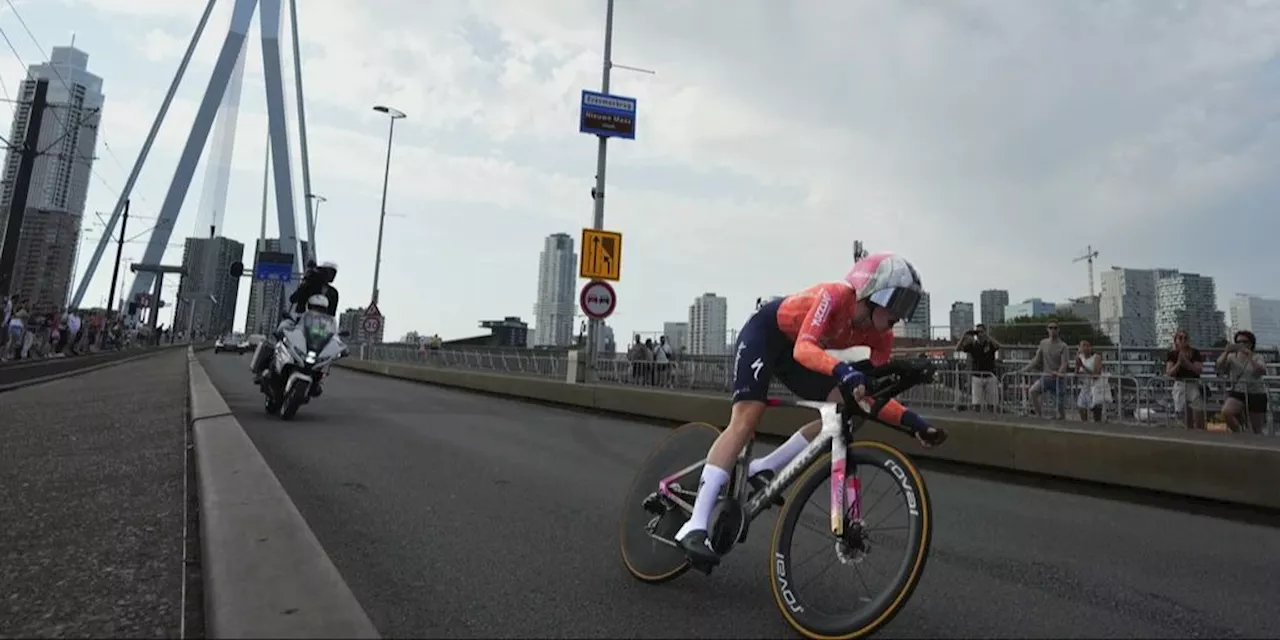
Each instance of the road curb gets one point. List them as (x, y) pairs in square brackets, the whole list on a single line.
[(87, 369), (265, 573)]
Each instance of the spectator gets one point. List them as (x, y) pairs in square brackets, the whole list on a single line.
[(638, 356), (1051, 356), (982, 350), (1094, 392), (19, 332), (1184, 364), (1248, 394), (662, 361)]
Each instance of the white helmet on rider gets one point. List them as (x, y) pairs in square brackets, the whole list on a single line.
[(318, 302), (887, 280), (329, 270)]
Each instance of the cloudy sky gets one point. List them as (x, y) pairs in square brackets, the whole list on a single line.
[(989, 141)]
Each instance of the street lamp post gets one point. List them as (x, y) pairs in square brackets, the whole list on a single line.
[(315, 216), (394, 115)]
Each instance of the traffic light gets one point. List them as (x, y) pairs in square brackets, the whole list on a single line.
[(133, 308), (237, 269)]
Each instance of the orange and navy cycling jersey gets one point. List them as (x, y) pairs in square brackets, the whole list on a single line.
[(820, 318)]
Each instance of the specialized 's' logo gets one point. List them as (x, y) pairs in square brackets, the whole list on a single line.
[(756, 367)]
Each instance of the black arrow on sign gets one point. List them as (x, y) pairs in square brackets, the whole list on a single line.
[(595, 252)]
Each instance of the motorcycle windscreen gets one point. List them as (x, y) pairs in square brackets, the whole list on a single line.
[(319, 329)]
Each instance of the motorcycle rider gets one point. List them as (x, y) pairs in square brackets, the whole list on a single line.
[(317, 281)]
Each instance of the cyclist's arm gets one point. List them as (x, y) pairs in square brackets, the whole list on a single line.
[(894, 413), (809, 352)]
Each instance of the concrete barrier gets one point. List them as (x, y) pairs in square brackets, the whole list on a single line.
[(1242, 469), (265, 573)]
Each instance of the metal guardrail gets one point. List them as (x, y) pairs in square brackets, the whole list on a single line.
[(1153, 401)]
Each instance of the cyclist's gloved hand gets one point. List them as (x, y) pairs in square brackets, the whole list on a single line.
[(927, 434), (849, 378)]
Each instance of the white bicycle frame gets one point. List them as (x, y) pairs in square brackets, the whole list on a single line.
[(844, 493)]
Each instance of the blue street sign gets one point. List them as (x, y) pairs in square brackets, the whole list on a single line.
[(269, 271), (607, 115), (273, 265)]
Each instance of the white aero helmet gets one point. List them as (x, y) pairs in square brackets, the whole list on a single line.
[(887, 280), (318, 302)]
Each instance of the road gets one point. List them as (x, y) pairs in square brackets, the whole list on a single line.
[(465, 515), (92, 504)]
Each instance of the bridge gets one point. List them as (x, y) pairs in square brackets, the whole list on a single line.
[(422, 510), (405, 502)]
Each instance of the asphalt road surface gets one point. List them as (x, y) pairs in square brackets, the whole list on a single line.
[(462, 515), (91, 503)]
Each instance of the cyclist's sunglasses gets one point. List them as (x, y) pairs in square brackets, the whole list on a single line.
[(899, 301)]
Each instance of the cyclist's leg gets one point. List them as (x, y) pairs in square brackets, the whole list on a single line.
[(808, 385), (758, 344)]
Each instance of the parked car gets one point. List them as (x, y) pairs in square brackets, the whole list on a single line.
[(233, 344)]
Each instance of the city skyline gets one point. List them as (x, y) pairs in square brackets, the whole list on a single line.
[(492, 160)]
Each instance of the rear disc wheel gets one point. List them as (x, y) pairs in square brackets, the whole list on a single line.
[(649, 520)]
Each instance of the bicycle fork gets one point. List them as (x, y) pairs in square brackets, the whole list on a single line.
[(845, 488)]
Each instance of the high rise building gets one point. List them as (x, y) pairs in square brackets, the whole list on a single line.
[(557, 275), (1188, 301), (1127, 305), (207, 292), (677, 334), (961, 318), (708, 325), (266, 297), (46, 257), (918, 326), (993, 302), (1029, 308), (60, 174), (1086, 308), (1259, 315)]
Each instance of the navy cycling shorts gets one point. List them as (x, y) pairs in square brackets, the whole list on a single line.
[(763, 351)]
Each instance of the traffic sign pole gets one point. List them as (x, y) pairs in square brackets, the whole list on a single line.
[(593, 324)]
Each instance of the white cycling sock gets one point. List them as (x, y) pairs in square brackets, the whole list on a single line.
[(713, 479), (779, 457)]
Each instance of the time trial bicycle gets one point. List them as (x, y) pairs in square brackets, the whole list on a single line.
[(662, 495)]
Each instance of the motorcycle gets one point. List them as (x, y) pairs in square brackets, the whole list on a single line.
[(301, 359)]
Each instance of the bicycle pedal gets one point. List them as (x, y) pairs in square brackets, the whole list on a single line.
[(655, 504), (703, 567)]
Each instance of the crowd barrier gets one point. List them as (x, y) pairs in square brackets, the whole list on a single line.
[(1242, 469), (1148, 401)]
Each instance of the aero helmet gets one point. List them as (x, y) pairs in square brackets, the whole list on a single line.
[(887, 280)]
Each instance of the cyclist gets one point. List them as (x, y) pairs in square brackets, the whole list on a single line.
[(788, 338)]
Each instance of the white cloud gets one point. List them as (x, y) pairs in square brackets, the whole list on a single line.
[(990, 141)]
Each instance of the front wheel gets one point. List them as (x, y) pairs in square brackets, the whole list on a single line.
[(294, 399), (903, 542)]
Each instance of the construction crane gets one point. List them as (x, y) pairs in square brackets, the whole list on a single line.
[(1089, 255)]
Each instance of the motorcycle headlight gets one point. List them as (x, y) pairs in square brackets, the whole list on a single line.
[(311, 357)]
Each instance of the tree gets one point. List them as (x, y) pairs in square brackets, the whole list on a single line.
[(1031, 330)]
